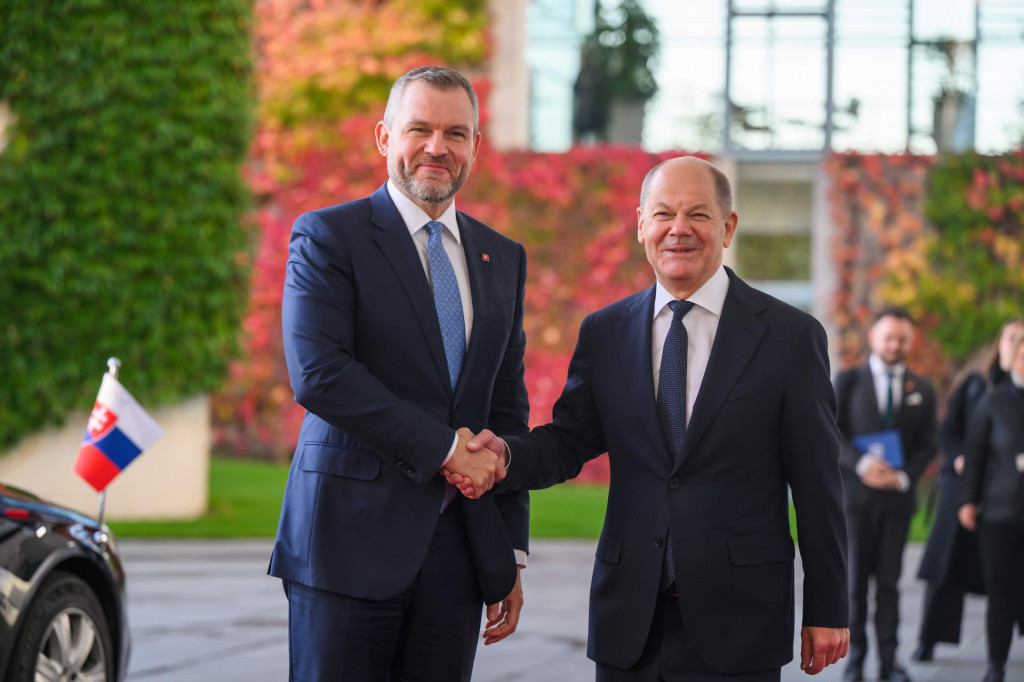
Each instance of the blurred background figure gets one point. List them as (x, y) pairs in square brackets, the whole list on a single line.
[(882, 395), (994, 504), (951, 562)]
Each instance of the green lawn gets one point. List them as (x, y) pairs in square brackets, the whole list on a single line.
[(245, 499)]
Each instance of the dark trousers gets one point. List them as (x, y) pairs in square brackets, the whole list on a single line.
[(878, 534), (427, 633), (669, 656), (1002, 564)]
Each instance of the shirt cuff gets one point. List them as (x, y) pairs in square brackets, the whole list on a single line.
[(904, 481), (862, 464), (520, 558), (451, 451)]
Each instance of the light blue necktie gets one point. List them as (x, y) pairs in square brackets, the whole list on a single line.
[(672, 408), (448, 303)]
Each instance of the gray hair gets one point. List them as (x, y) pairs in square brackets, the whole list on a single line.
[(723, 190), (440, 77)]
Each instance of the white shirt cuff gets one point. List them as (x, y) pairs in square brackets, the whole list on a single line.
[(520, 558), (904, 481), (863, 463), (451, 451)]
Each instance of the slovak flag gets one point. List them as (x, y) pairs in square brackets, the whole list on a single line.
[(119, 429)]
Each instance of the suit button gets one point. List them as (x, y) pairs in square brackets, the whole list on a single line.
[(657, 541), (673, 483)]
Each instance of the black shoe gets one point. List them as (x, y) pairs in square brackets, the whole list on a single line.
[(854, 673), (893, 674), (994, 674), (924, 652)]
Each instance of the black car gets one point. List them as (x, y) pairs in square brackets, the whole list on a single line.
[(62, 605)]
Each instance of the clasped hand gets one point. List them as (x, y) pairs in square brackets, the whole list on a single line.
[(880, 475), (477, 463)]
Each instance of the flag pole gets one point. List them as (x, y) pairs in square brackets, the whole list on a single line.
[(113, 364)]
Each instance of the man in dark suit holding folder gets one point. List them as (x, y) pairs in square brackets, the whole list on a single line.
[(877, 401)]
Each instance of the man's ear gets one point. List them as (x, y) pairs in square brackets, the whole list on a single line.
[(731, 221), (476, 145), (382, 135)]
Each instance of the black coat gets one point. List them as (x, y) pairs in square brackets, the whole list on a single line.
[(952, 550), (995, 440)]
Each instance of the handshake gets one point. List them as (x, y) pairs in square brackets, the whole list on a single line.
[(477, 464)]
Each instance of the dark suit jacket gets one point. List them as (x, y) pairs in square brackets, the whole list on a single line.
[(764, 417), (366, 360), (914, 418), (994, 441)]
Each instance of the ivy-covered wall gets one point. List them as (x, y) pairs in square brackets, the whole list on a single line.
[(942, 236), (120, 199)]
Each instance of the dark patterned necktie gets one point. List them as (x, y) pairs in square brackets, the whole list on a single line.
[(448, 304), (890, 407), (672, 407)]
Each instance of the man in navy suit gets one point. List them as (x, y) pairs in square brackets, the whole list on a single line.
[(710, 398), (403, 319)]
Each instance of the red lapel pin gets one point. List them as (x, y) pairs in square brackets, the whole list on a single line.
[(485, 257)]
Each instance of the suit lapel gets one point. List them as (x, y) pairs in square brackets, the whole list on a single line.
[(395, 242), (481, 284), (739, 333), (908, 387), (635, 332)]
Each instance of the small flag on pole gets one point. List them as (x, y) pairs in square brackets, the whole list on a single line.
[(118, 430)]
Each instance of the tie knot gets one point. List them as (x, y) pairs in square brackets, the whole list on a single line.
[(680, 308), (435, 228)]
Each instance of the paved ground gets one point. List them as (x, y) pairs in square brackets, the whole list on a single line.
[(207, 612)]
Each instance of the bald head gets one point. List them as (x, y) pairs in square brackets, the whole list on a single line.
[(723, 192)]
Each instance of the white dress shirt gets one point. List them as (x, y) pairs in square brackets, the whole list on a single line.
[(880, 372), (701, 325), (416, 220)]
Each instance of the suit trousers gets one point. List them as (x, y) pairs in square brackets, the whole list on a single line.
[(668, 655), (426, 633), (878, 534), (1002, 563)]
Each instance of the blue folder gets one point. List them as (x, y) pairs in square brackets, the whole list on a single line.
[(883, 444)]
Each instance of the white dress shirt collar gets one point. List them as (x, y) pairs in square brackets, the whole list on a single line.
[(415, 217), (879, 368), (711, 296)]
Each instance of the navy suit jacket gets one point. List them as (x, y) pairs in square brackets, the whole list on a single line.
[(764, 418), (366, 359)]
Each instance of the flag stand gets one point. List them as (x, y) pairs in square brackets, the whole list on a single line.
[(113, 364)]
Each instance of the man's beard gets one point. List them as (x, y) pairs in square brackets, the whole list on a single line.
[(427, 191)]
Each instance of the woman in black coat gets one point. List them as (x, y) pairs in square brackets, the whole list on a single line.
[(951, 563), (994, 504)]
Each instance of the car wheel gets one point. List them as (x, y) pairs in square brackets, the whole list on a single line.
[(64, 636)]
